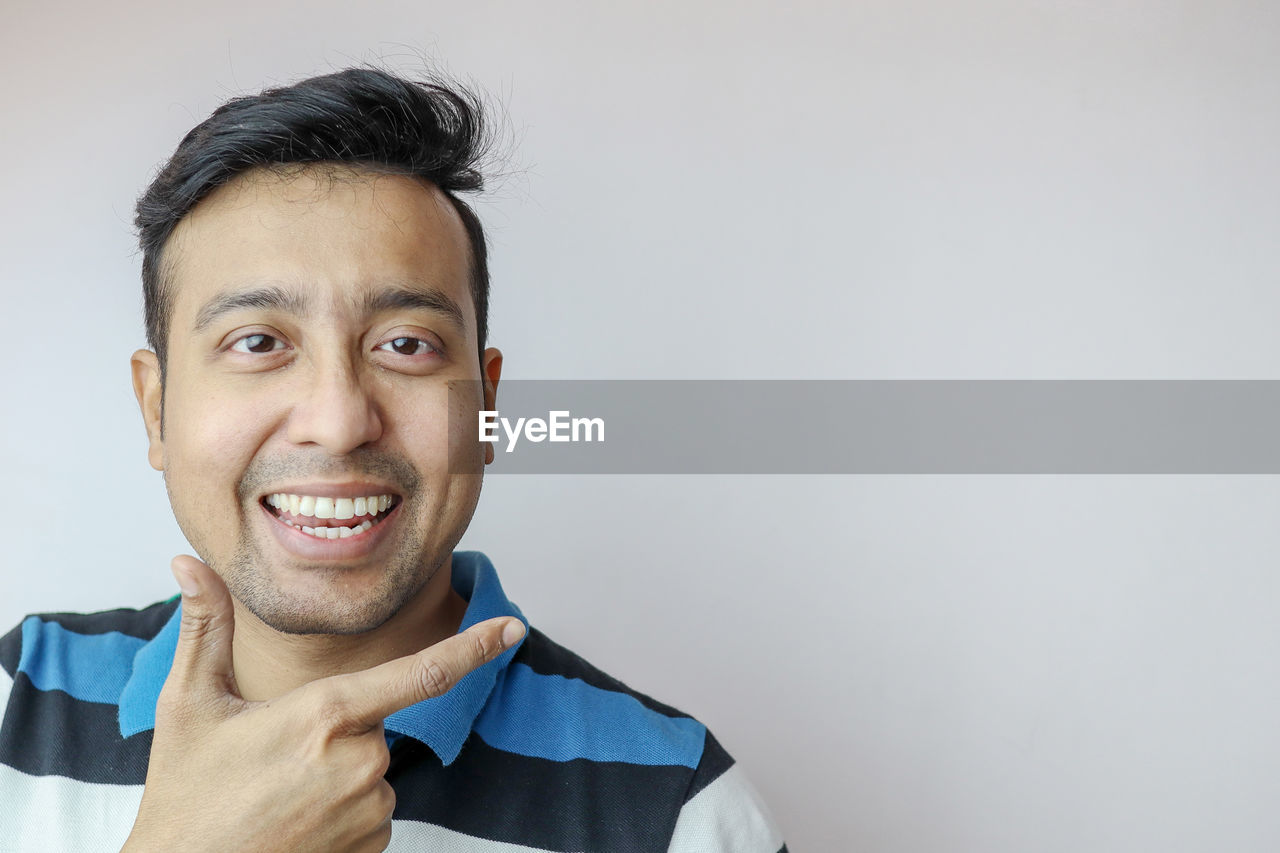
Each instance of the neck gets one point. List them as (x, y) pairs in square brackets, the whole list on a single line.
[(269, 664)]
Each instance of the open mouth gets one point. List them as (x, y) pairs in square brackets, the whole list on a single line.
[(331, 518)]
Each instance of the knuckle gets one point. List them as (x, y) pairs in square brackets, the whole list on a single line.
[(431, 677), (383, 762), (382, 837), (481, 647), (374, 768), (195, 624), (386, 800), (374, 818), (331, 711)]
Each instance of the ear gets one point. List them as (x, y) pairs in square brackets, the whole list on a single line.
[(150, 394), (491, 367)]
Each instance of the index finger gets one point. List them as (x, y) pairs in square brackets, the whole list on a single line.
[(366, 698)]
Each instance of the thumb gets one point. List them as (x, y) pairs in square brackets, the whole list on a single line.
[(202, 661)]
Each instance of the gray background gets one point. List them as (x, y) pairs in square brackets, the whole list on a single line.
[(887, 190)]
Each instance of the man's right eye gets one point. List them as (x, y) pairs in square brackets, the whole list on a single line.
[(258, 343)]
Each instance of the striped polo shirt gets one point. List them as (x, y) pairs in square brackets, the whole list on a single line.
[(536, 750)]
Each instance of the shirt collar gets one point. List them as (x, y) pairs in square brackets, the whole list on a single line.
[(442, 723)]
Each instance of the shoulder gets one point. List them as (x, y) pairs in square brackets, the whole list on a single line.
[(69, 780), (565, 708), (545, 657), (61, 678), (50, 647), (556, 705), (140, 623)]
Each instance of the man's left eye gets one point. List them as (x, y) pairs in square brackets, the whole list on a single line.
[(407, 346)]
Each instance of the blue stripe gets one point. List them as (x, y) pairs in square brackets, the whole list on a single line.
[(88, 667), (150, 670), (443, 723), (561, 719)]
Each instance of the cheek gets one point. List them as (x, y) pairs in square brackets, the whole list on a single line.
[(210, 440), (438, 429), (465, 450)]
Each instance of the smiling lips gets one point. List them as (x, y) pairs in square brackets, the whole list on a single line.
[(320, 516)]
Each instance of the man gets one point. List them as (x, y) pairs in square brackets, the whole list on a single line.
[(333, 676)]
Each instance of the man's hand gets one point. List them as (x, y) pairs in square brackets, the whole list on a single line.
[(303, 771)]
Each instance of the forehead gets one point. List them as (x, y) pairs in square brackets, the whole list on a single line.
[(329, 232)]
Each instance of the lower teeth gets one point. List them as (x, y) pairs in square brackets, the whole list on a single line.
[(335, 532)]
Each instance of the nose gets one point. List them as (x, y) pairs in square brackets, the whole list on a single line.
[(334, 410)]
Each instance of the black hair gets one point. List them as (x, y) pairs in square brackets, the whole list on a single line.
[(363, 117)]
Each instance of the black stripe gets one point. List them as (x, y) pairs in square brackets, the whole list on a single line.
[(782, 849), (11, 650), (547, 657), (575, 805), (143, 624), (48, 733), (715, 761)]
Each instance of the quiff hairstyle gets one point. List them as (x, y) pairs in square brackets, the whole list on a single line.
[(361, 117)]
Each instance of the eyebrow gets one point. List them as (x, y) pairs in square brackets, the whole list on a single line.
[(271, 298), (417, 298), (395, 298)]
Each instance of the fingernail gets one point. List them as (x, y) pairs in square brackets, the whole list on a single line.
[(512, 633), (186, 582)]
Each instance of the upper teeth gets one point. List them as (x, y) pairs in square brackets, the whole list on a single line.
[(340, 508)]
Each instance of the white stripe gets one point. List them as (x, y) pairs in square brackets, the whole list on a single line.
[(727, 816), (412, 835), (56, 814), (6, 685), (53, 813)]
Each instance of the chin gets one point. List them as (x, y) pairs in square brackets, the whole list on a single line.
[(328, 624), (318, 599), (333, 610)]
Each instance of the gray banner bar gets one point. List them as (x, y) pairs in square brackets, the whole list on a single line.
[(886, 427)]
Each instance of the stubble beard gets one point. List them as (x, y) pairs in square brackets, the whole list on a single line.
[(419, 555), (252, 581), (255, 582)]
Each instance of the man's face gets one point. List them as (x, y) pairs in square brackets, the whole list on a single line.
[(318, 317)]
